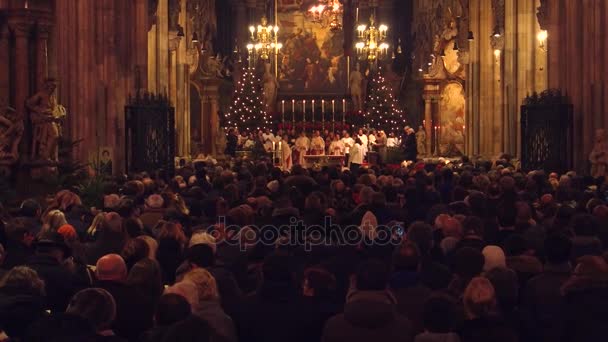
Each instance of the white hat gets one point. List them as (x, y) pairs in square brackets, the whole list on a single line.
[(203, 238)]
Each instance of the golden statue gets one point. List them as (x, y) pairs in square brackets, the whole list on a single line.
[(11, 132), (356, 91), (46, 116)]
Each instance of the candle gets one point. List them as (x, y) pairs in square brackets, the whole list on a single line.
[(313, 114), (323, 106), (293, 114), (304, 106), (283, 110), (333, 106), (293, 106), (273, 146), (344, 105)]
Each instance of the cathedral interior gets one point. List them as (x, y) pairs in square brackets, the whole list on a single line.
[(461, 70)]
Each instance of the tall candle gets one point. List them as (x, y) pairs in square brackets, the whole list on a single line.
[(283, 111), (313, 113), (333, 106), (323, 106), (344, 105), (293, 114)]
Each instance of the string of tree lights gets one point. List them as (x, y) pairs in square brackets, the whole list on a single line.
[(247, 109), (382, 109)]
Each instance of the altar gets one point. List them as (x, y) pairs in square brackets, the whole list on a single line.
[(322, 160)]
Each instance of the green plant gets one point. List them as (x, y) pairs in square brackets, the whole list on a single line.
[(91, 191)]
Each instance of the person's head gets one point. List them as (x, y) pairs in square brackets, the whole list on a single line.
[(20, 230), (584, 225), (134, 251), (171, 308), (55, 219), (172, 230), (318, 282), (30, 208), (505, 283), (22, 279), (494, 257), (200, 255), (52, 244), (421, 234), (205, 284), (558, 249), (371, 275), (155, 201), (345, 134), (406, 258), (152, 245), (186, 289), (479, 298), (472, 226), (50, 84), (146, 274), (439, 314), (96, 305), (468, 262), (111, 267), (203, 238)]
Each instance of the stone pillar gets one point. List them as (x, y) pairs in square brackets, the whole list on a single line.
[(42, 62), (214, 122), (22, 87), (4, 66), (209, 114), (204, 130), (428, 127)]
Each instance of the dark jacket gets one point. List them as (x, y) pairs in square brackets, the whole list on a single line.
[(60, 284), (543, 303), (487, 329), (411, 297), (586, 308), (220, 323), (133, 313), (368, 316), (270, 315), (18, 310), (17, 254)]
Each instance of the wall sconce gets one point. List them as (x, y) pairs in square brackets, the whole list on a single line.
[(497, 53), (194, 38), (470, 36), (542, 39)]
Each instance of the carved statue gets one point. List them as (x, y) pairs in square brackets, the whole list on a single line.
[(356, 91), (599, 155), (46, 116), (421, 141), (270, 87), (11, 132)]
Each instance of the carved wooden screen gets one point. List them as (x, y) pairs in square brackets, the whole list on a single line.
[(150, 134), (546, 133)]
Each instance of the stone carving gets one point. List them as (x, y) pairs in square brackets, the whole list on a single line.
[(542, 14), (421, 141), (356, 91), (599, 155), (270, 87), (46, 116), (11, 132)]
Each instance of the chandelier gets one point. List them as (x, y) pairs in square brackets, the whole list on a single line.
[(327, 13), (264, 39), (371, 43)]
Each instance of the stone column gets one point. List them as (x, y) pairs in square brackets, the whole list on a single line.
[(22, 88), (42, 62), (204, 130), (214, 122), (428, 127), (4, 66)]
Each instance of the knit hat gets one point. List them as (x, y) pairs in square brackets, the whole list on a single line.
[(67, 231), (494, 257)]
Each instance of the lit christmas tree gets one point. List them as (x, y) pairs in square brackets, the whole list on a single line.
[(382, 109), (247, 110)]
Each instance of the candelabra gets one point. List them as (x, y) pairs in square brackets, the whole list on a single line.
[(371, 43), (264, 39)]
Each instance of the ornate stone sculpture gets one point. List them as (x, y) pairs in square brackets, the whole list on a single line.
[(421, 141), (270, 87), (356, 91), (11, 132), (599, 155), (46, 116)]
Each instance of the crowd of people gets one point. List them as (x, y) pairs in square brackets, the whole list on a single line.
[(246, 251), (291, 146)]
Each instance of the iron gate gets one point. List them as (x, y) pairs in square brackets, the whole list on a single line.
[(150, 134)]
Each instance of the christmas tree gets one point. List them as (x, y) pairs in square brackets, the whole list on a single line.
[(247, 110), (382, 110)]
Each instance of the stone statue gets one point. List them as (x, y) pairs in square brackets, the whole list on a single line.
[(270, 87), (11, 132), (421, 141), (599, 155), (356, 91), (46, 116)]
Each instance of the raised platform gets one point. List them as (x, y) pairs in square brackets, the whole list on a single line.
[(322, 160)]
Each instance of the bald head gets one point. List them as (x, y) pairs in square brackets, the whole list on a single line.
[(111, 267)]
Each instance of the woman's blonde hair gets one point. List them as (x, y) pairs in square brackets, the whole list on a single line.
[(96, 224), (205, 283), (55, 219), (479, 298)]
